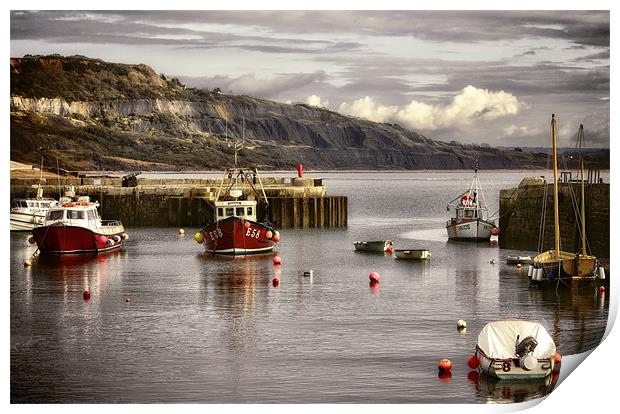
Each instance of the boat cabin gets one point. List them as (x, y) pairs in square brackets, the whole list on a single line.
[(74, 215), (244, 209)]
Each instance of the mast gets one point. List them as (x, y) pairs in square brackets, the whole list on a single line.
[(583, 213), (556, 213)]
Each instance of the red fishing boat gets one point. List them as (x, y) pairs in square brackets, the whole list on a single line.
[(75, 227)]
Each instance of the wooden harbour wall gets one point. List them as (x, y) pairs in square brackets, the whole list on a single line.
[(520, 217)]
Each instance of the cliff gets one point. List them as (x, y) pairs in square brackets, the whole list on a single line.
[(97, 115)]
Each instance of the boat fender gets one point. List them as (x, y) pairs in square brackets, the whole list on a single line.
[(276, 236), (530, 270), (495, 231), (601, 290), (117, 238), (601, 272), (269, 234), (110, 242), (246, 224), (125, 236), (199, 238), (102, 239), (526, 346), (473, 362), (181, 231)]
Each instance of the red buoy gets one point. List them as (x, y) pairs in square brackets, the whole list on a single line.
[(269, 234), (444, 365), (277, 260), (276, 237), (473, 362), (86, 294), (389, 250), (275, 281), (557, 358), (495, 231), (300, 170), (246, 224), (601, 289), (374, 277)]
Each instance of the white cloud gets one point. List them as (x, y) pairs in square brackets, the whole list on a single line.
[(513, 129), (469, 105), (315, 100)]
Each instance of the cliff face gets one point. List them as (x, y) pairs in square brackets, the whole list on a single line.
[(97, 115)]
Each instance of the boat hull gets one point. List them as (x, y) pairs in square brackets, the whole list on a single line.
[(470, 230), (509, 369), (565, 266), (62, 239), (420, 254), (230, 237), (26, 222), (378, 246)]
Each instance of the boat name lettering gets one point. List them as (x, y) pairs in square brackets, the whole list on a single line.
[(464, 227), (215, 234), (255, 233)]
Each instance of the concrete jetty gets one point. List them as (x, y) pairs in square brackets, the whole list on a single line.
[(294, 202), (521, 208)]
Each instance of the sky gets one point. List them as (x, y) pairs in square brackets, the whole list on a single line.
[(491, 77)]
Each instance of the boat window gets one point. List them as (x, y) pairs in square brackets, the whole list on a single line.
[(91, 215), (220, 212), (75, 214), (469, 213), (240, 211), (55, 214), (23, 203), (249, 211), (15, 204), (229, 211)]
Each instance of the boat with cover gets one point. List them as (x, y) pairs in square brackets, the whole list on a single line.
[(471, 220), (412, 254), (515, 350), (377, 246), (75, 227), (234, 229), (556, 265)]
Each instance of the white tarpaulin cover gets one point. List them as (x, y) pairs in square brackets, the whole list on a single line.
[(498, 339)]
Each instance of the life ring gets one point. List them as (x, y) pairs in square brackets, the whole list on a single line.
[(467, 200)]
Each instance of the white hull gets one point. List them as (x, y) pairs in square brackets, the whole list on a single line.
[(378, 246), (508, 369), (26, 222), (470, 230), (420, 254)]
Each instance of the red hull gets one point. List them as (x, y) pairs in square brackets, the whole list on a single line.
[(229, 236), (70, 239)]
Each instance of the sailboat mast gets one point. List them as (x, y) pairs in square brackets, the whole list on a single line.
[(583, 214), (556, 213)]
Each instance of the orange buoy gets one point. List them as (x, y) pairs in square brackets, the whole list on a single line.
[(86, 294), (389, 249), (276, 236), (31, 240), (277, 260), (473, 362), (246, 224), (557, 358), (444, 365), (269, 234)]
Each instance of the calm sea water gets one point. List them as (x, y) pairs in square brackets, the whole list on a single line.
[(167, 323)]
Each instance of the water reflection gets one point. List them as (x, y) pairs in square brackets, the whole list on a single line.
[(494, 390)]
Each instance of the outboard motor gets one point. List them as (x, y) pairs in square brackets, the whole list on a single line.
[(526, 346)]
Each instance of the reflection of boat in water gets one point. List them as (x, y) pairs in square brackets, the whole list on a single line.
[(77, 260), (471, 220), (556, 265), (515, 350), (377, 246), (507, 391), (412, 254)]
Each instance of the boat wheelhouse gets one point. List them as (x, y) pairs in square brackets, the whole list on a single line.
[(470, 221), (75, 227)]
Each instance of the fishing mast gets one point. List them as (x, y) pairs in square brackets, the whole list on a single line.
[(556, 212)]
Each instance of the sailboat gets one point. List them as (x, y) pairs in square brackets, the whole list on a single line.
[(556, 264), (471, 220)]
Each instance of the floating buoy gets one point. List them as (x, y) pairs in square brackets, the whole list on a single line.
[(276, 236), (601, 273), (461, 324), (246, 224), (181, 231), (125, 236), (495, 231), (127, 300), (199, 238), (110, 242), (444, 365), (31, 240), (269, 234), (27, 263), (518, 265), (86, 294), (374, 277), (277, 260), (473, 377), (389, 250), (492, 261), (473, 362), (601, 289), (275, 281)]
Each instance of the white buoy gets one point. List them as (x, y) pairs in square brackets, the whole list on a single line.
[(530, 270), (181, 231), (461, 324), (601, 272), (492, 261), (27, 263)]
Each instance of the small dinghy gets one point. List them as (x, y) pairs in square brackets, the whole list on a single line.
[(518, 260), (515, 350), (379, 246), (412, 254)]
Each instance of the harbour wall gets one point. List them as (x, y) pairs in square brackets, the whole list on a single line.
[(293, 202), (521, 209)]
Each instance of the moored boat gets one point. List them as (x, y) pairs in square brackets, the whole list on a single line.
[(471, 220), (28, 213), (377, 246), (412, 254), (75, 227), (518, 259), (515, 350)]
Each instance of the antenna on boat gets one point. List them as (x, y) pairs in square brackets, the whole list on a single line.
[(58, 175)]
